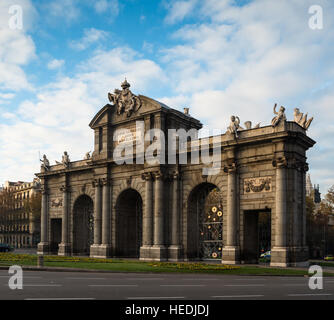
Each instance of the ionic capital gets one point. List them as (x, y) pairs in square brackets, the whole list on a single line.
[(104, 181), (175, 175), (65, 189), (96, 183), (280, 163), (147, 176), (230, 167), (158, 175), (44, 190)]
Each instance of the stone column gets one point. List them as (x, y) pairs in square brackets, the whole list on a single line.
[(305, 249), (231, 251), (64, 246), (174, 250), (299, 255), (297, 214), (105, 248), (145, 253), (279, 253), (159, 250), (43, 246), (94, 249)]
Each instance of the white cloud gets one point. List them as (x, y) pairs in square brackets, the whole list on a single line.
[(147, 46), (107, 6), (91, 36), (178, 10), (7, 96), (55, 64), (57, 119), (65, 9), (17, 48), (242, 60)]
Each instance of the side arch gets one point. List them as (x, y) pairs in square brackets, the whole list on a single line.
[(128, 210), (204, 222), (83, 225)]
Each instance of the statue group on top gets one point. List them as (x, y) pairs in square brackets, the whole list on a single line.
[(280, 117), (234, 126), (124, 100), (65, 161)]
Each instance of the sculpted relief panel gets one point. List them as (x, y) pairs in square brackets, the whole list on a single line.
[(256, 185)]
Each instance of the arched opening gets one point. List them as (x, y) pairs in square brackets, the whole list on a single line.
[(205, 223), (83, 225), (128, 224)]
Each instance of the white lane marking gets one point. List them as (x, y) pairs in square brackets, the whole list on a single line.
[(247, 279), (182, 285), (308, 294), (135, 279), (294, 284), (193, 279), (59, 299), (25, 277), (152, 298), (244, 285), (113, 285), (241, 296), (70, 278), (42, 285)]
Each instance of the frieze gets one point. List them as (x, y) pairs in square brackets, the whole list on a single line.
[(256, 185)]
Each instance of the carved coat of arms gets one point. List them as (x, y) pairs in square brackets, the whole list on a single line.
[(56, 203), (124, 100)]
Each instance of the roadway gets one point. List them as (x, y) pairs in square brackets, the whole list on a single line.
[(47, 285)]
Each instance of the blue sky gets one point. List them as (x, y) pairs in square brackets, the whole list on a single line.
[(218, 57)]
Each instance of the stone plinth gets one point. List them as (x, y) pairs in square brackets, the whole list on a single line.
[(64, 249)]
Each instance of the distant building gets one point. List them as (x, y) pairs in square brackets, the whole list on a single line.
[(313, 191), (20, 222)]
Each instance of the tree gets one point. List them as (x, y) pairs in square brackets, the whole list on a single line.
[(329, 200), (33, 206), (7, 201)]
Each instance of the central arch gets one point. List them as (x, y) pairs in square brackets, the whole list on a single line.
[(205, 223), (83, 225), (128, 224)]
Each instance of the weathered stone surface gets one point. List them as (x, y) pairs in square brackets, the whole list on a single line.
[(162, 222)]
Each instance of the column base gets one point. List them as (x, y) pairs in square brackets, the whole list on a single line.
[(279, 257), (231, 255), (289, 257), (94, 251), (175, 253), (64, 249), (145, 253), (159, 253), (101, 251), (43, 248)]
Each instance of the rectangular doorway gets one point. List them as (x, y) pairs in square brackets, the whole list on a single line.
[(55, 235), (257, 235)]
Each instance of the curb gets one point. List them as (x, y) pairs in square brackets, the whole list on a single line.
[(60, 269)]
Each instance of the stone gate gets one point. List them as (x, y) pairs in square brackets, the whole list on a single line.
[(174, 211)]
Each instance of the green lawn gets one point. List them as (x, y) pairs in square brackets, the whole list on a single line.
[(323, 263), (117, 265)]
